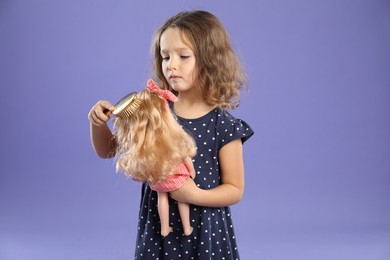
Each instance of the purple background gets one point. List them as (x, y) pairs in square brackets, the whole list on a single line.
[(317, 168)]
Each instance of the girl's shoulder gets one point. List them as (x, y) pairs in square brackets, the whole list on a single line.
[(231, 128), (220, 125)]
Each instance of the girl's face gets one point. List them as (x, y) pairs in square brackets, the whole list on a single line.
[(178, 60)]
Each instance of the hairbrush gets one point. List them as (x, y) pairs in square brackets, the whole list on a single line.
[(126, 106)]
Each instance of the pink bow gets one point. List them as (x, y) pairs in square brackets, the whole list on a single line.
[(164, 94)]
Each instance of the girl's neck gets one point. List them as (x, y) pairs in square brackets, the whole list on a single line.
[(191, 107)]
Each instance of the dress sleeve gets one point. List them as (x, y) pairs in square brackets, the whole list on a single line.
[(231, 128)]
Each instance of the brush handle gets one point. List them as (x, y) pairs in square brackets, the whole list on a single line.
[(107, 112)]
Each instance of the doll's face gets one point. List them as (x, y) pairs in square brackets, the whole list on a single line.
[(178, 60)]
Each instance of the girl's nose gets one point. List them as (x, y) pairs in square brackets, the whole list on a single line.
[(172, 64)]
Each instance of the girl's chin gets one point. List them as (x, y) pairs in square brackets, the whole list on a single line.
[(175, 86)]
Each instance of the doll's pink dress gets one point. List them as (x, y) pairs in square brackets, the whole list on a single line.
[(174, 182)]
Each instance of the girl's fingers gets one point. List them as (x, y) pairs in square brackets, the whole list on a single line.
[(106, 105), (95, 120), (97, 114)]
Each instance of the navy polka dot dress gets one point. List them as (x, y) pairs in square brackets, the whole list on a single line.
[(213, 235)]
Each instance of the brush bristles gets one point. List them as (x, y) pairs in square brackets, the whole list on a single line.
[(130, 109)]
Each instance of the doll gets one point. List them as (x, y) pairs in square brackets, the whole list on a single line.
[(154, 148)]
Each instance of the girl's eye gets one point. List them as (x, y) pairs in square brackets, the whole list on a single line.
[(184, 57), (165, 58)]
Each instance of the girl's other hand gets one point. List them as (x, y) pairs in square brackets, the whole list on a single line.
[(186, 193), (100, 113)]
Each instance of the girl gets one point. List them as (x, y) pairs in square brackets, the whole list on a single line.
[(195, 60), (154, 148)]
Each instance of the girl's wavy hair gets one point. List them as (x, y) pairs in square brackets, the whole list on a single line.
[(218, 72), (151, 142)]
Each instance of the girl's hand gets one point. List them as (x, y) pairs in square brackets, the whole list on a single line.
[(99, 113), (232, 176), (187, 193)]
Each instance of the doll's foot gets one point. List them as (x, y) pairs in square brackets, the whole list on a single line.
[(188, 231), (165, 231)]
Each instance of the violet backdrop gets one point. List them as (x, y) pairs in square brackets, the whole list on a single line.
[(317, 168)]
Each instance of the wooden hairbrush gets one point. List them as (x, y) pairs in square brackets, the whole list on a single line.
[(126, 106)]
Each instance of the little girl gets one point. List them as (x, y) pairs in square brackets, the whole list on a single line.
[(154, 148), (194, 59)]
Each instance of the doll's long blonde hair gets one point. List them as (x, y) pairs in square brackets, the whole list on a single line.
[(151, 142)]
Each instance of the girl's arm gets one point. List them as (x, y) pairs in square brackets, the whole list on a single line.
[(232, 187), (102, 139)]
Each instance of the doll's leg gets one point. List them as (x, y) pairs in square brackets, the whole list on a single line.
[(163, 211), (184, 210)]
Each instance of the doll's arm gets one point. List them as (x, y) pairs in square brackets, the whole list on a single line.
[(232, 187), (190, 166), (102, 139)]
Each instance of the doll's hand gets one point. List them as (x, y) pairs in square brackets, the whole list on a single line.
[(186, 193), (99, 113)]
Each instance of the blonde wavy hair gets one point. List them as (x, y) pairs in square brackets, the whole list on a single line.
[(218, 73), (151, 142)]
